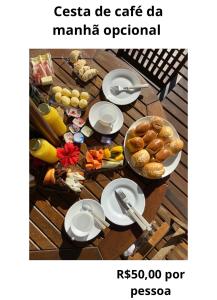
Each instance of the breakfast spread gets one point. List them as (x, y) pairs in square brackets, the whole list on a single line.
[(149, 144)]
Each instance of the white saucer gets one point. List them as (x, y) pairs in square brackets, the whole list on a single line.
[(123, 78), (94, 118), (113, 208), (77, 207)]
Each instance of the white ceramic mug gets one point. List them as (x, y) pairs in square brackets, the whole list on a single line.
[(81, 224), (107, 116)]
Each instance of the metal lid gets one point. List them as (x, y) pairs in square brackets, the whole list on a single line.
[(44, 108), (35, 144)]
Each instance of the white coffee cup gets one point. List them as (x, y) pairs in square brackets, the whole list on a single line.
[(107, 115), (81, 224)]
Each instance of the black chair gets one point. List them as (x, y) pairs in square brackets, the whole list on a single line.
[(160, 66)]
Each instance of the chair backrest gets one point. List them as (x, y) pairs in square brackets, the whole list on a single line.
[(158, 65)]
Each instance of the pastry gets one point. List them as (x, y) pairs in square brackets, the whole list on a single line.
[(66, 92), (79, 64), (57, 97), (56, 89), (74, 101), (75, 93), (65, 100), (163, 154), (74, 55), (157, 123), (149, 136), (84, 95), (155, 146), (135, 144), (83, 70), (153, 170), (176, 145), (166, 132), (89, 74), (140, 158), (83, 103), (141, 129)]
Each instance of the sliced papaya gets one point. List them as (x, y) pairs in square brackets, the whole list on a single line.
[(97, 164), (100, 154), (89, 157), (93, 153), (89, 166)]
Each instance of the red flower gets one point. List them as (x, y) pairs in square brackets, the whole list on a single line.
[(68, 155)]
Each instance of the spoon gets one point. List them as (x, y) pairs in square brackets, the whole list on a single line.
[(117, 88), (102, 223)]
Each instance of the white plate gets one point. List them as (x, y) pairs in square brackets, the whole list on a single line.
[(113, 208), (77, 207), (94, 118), (170, 164), (123, 78)]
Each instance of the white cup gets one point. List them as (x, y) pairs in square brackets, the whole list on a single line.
[(81, 224), (107, 115)]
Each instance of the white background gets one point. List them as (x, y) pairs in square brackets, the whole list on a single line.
[(28, 24)]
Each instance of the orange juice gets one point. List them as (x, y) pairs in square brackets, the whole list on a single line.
[(50, 114), (43, 150)]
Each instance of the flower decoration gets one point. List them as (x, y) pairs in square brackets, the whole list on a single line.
[(68, 155)]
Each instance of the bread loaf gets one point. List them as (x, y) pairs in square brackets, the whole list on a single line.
[(166, 132), (74, 55), (140, 158), (176, 146), (141, 129), (155, 146), (149, 136), (162, 154), (135, 144), (153, 170), (157, 123)]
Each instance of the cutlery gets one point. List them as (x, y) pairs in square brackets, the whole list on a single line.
[(117, 89), (141, 221), (102, 223)]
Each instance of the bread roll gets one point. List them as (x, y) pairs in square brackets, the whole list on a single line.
[(157, 123), (74, 55), (135, 144), (153, 170), (89, 74), (163, 154), (149, 136), (131, 133), (176, 145), (140, 158), (166, 132), (141, 129), (79, 64), (155, 146)]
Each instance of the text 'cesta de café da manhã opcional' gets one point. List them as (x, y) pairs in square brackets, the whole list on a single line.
[(113, 31)]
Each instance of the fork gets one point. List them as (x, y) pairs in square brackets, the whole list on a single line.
[(141, 221), (117, 88)]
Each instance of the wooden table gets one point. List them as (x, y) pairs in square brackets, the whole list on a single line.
[(47, 210)]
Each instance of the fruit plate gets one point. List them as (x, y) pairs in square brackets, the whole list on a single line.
[(170, 164)]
